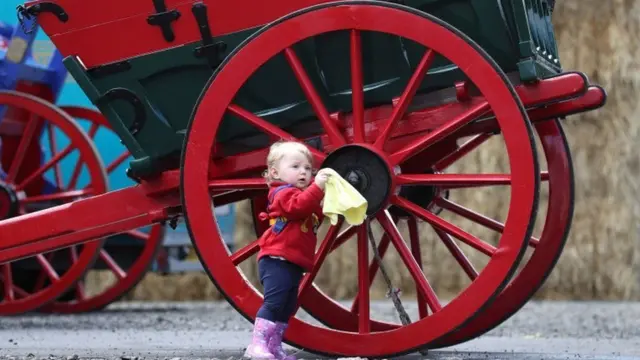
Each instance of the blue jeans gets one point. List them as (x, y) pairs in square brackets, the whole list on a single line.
[(280, 280)]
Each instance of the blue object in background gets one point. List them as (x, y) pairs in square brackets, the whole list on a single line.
[(42, 50)]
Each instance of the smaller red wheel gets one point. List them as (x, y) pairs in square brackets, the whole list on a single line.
[(33, 158), (126, 256)]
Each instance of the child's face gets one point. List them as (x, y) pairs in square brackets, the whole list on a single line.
[(294, 169)]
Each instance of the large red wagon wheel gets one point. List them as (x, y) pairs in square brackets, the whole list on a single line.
[(383, 154), (33, 183), (546, 250), (127, 256)]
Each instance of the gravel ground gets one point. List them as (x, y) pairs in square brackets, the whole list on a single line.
[(541, 330)]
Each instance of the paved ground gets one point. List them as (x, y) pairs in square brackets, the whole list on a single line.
[(549, 330)]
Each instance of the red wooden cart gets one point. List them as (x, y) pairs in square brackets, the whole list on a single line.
[(390, 95)]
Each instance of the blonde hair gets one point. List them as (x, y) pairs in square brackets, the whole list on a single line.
[(281, 148)]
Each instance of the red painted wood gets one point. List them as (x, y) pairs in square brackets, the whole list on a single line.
[(83, 14), (67, 224), (593, 99), (108, 31)]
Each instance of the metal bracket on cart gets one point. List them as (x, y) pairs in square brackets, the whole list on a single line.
[(211, 50), (140, 117), (35, 10), (109, 69), (163, 19), (173, 222)]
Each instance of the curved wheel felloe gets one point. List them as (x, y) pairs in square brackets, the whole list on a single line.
[(127, 257), (40, 141), (378, 161)]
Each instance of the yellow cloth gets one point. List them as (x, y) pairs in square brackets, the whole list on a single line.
[(341, 198)]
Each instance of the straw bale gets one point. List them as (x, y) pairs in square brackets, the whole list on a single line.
[(158, 287), (601, 260)]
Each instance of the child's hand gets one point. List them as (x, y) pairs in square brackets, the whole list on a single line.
[(322, 177)]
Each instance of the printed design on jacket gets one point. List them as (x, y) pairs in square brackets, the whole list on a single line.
[(316, 224)]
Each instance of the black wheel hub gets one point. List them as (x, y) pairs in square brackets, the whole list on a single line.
[(366, 171), (421, 195), (9, 202)]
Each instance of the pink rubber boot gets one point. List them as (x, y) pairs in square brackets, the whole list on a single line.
[(262, 331), (275, 342)]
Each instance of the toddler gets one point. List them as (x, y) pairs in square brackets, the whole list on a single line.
[(287, 248)]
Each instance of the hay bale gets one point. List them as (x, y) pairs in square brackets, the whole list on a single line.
[(157, 287), (174, 287), (601, 260)]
